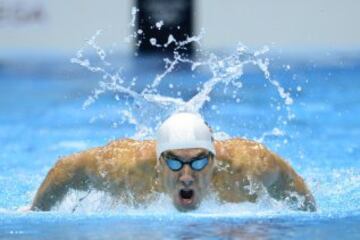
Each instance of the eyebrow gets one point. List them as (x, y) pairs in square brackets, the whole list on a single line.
[(201, 155), (198, 156), (169, 155)]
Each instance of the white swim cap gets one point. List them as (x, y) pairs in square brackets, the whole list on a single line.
[(184, 130)]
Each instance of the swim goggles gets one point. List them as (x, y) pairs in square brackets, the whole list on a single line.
[(197, 164)]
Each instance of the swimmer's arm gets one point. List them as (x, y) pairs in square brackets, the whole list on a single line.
[(122, 165), (69, 172), (285, 184), (278, 177)]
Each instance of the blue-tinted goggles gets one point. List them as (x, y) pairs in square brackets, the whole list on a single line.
[(197, 164)]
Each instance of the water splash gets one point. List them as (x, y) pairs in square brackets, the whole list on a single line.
[(148, 107), (81, 202)]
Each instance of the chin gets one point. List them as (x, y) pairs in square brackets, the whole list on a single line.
[(186, 199)]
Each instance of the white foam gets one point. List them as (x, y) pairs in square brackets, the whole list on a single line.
[(100, 202)]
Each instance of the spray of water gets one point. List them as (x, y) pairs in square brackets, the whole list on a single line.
[(148, 108), (227, 70)]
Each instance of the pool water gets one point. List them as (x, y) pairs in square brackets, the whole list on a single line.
[(42, 118)]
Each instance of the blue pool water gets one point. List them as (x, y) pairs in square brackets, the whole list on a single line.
[(42, 118)]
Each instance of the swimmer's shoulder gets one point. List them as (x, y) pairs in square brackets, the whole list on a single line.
[(251, 157), (123, 149), (134, 161), (240, 149), (248, 155), (120, 153)]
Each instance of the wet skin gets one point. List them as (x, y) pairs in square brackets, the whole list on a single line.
[(186, 186), (129, 170)]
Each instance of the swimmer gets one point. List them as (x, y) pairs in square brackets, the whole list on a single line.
[(184, 162)]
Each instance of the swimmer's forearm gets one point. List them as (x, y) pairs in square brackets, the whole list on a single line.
[(68, 173), (52, 189), (289, 182)]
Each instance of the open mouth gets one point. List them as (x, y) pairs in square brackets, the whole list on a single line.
[(186, 194), (186, 197)]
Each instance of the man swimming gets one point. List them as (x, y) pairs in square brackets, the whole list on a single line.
[(184, 162)]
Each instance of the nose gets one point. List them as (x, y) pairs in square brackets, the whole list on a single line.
[(186, 179)]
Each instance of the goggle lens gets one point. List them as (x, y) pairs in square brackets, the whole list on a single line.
[(174, 164), (197, 164)]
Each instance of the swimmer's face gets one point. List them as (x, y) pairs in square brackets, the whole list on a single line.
[(186, 175)]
